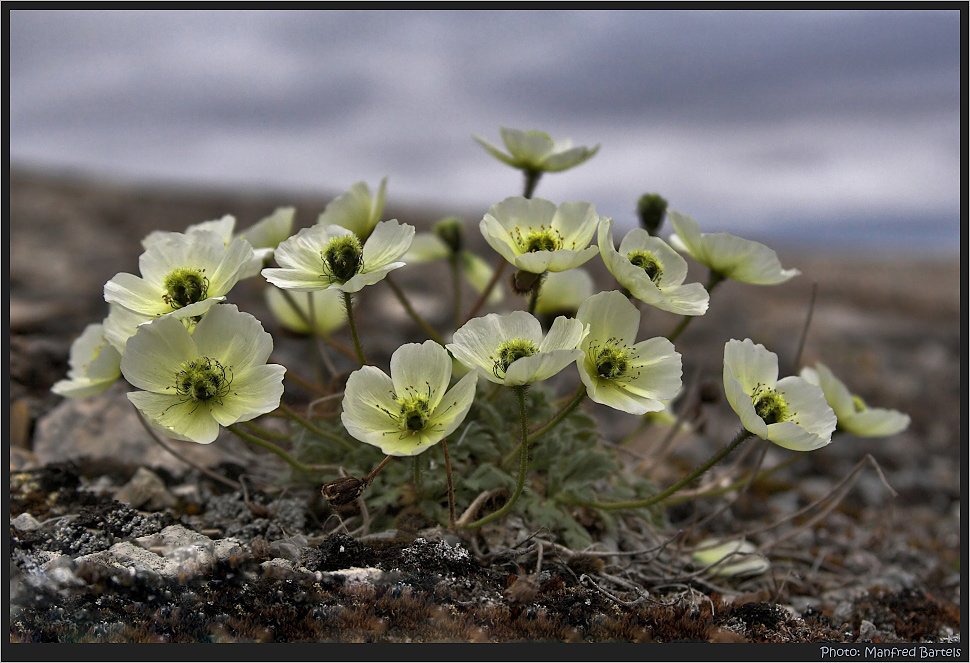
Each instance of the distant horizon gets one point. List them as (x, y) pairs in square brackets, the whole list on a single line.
[(795, 235)]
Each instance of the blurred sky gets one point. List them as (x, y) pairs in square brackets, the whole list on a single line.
[(834, 128)]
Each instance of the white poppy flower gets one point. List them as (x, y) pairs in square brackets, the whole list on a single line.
[(728, 256), (736, 557), (564, 292), (618, 371), (264, 235), (268, 232), (355, 209), (329, 310), (511, 350), (536, 236), (182, 274), (411, 410), (322, 257), (94, 365), (121, 324), (790, 412), (853, 414), (535, 151), (193, 383), (652, 271)]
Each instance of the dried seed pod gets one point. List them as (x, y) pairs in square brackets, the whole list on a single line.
[(342, 491)]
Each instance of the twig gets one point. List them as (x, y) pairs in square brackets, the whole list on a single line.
[(205, 471)]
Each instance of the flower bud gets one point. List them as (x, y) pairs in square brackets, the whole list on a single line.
[(524, 282), (651, 208), (449, 231)]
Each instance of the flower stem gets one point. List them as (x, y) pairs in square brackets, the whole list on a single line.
[(269, 446), (451, 485), (650, 501), (353, 329), (559, 417), (456, 284), (534, 295), (373, 473), (523, 465), (316, 430), (573, 403), (712, 281), (304, 382), (256, 429), (418, 484), (496, 275), (531, 180), (401, 297)]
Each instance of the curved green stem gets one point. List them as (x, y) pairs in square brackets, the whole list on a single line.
[(574, 402), (712, 281), (523, 465), (353, 329), (650, 501), (316, 430), (304, 382), (456, 285), (450, 483), (256, 429), (401, 297), (269, 446), (418, 483), (496, 275)]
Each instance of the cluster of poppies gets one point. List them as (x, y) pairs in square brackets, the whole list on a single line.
[(198, 363)]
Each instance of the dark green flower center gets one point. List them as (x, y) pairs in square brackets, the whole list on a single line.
[(648, 263), (509, 351), (542, 239), (414, 413), (343, 258), (185, 286), (611, 362), (203, 380), (771, 406)]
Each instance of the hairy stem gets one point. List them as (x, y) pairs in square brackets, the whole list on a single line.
[(401, 297), (496, 275), (523, 465), (269, 446), (712, 281), (574, 402), (456, 285), (316, 430), (650, 501), (451, 485), (353, 329)]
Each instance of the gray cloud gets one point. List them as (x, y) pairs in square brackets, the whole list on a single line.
[(739, 118)]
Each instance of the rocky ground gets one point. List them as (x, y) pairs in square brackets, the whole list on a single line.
[(112, 538)]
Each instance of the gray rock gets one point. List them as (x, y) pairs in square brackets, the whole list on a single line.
[(867, 631), (107, 426), (145, 490), (25, 522)]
